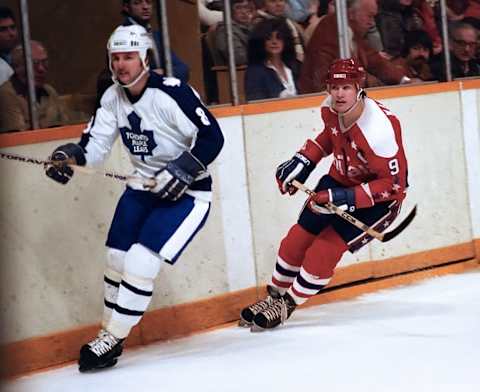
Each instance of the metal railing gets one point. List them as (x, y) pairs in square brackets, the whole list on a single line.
[(32, 107), (343, 41)]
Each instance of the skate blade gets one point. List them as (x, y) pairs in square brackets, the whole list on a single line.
[(85, 369), (256, 328)]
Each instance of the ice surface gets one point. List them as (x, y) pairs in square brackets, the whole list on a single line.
[(423, 337)]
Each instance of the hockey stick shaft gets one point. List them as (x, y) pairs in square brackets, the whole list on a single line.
[(80, 169), (384, 237)]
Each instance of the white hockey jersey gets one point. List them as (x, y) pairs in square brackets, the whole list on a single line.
[(156, 127)]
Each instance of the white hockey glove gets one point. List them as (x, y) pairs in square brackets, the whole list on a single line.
[(298, 168), (177, 176), (58, 169)]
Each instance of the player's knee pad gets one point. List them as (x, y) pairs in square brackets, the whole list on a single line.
[(141, 266), (294, 245), (115, 264)]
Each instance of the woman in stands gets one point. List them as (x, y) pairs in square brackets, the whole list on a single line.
[(272, 68)]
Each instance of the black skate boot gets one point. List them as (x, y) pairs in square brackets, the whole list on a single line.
[(100, 353), (247, 314), (276, 314)]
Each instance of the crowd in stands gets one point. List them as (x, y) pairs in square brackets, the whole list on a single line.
[(396, 41), (14, 93), (14, 113), (283, 47)]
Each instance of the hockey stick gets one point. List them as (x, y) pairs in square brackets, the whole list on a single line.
[(384, 237), (82, 169)]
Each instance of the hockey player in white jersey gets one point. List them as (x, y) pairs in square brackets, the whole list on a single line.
[(171, 138)]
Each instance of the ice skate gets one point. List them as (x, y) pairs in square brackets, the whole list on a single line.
[(247, 314), (276, 314), (100, 353)]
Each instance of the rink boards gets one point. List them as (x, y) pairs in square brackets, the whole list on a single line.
[(53, 236)]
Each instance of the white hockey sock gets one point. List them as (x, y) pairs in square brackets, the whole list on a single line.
[(305, 286), (136, 289), (112, 279), (283, 275)]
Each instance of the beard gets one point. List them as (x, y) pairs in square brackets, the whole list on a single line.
[(418, 63)]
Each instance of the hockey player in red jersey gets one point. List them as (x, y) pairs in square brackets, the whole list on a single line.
[(368, 178)]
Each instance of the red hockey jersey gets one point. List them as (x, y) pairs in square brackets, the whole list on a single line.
[(368, 156)]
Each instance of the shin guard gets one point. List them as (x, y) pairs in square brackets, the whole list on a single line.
[(112, 278), (136, 289)]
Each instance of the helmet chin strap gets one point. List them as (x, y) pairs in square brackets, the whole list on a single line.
[(360, 95), (118, 83)]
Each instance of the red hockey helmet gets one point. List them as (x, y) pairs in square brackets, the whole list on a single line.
[(345, 71)]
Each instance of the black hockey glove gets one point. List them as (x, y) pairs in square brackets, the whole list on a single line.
[(298, 168), (344, 198), (177, 176), (68, 154)]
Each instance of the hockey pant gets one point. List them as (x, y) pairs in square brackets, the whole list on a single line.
[(313, 247)]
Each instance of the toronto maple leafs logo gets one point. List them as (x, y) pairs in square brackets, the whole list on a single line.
[(139, 142)]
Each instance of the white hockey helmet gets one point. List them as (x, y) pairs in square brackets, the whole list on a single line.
[(133, 38)]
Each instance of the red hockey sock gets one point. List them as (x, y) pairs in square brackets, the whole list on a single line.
[(295, 244), (318, 265), (290, 257)]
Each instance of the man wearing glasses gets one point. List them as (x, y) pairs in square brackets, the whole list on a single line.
[(14, 115), (463, 50)]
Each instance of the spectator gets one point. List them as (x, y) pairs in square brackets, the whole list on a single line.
[(394, 19), (463, 47), (467, 11), (272, 67), (472, 13), (8, 34), (416, 55), (397, 17), (242, 13), (301, 10), (140, 12), (209, 15), (455, 9), (323, 50), (325, 7), (5, 71), (8, 40), (14, 94), (276, 9)]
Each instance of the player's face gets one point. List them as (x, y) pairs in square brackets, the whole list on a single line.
[(127, 66), (343, 96)]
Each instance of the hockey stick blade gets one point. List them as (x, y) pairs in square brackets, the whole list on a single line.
[(393, 233)]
